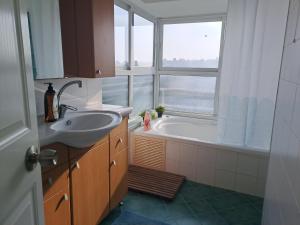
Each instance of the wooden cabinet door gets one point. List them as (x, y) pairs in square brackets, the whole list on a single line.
[(103, 36), (57, 208), (87, 28), (90, 185), (118, 177), (55, 180)]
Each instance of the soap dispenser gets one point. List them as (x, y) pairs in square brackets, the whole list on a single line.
[(50, 104)]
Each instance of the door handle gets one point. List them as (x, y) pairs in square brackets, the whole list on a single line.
[(47, 157)]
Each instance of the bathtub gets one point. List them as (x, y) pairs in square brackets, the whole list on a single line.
[(189, 147), (186, 128)]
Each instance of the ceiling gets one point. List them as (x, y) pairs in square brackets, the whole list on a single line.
[(180, 8)]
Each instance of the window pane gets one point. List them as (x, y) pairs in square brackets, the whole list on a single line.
[(121, 36), (142, 93), (192, 45), (115, 90), (187, 93), (143, 34)]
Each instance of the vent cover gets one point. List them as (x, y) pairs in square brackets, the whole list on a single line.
[(149, 152)]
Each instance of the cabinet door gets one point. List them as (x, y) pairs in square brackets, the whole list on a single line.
[(55, 180), (57, 209), (119, 138), (118, 177), (104, 39), (90, 185), (89, 24)]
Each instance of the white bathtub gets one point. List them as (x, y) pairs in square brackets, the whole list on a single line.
[(201, 131), (186, 128), (191, 149)]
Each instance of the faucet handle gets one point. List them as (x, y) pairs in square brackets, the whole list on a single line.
[(63, 108)]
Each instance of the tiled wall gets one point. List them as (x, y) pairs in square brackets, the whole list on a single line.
[(239, 171), (282, 202), (89, 94)]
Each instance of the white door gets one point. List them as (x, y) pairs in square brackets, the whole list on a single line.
[(20, 189)]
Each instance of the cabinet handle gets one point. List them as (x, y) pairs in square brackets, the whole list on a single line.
[(113, 163), (98, 71), (76, 165), (66, 197), (120, 141), (50, 181)]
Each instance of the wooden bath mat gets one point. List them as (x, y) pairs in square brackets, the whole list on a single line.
[(154, 182)]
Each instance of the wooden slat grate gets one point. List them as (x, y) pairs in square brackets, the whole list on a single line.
[(154, 182)]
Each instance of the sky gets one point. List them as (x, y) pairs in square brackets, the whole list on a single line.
[(192, 41), (189, 41)]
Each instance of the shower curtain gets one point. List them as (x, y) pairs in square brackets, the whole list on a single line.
[(253, 48)]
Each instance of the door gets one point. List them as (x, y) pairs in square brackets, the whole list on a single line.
[(20, 189)]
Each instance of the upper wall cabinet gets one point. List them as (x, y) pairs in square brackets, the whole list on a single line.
[(87, 28), (72, 38)]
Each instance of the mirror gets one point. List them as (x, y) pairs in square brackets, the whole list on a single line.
[(45, 39)]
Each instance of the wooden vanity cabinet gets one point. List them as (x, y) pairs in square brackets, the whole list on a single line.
[(87, 183), (87, 28), (89, 176)]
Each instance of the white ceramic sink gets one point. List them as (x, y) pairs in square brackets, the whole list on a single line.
[(83, 129)]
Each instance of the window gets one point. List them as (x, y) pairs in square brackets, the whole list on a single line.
[(121, 37), (192, 45), (143, 93), (133, 86), (189, 64), (115, 91), (143, 33), (189, 58), (190, 94)]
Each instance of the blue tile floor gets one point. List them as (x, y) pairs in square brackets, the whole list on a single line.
[(195, 204)]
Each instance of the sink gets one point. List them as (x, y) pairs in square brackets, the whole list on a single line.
[(83, 129)]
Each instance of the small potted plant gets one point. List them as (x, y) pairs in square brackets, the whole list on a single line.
[(142, 114), (160, 110)]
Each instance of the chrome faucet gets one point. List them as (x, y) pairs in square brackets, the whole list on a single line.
[(62, 108)]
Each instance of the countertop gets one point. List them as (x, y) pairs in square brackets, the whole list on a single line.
[(48, 136)]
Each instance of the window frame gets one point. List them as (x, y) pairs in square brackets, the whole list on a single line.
[(180, 71), (126, 8), (130, 71)]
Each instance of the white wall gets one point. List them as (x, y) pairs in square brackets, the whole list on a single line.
[(89, 94), (282, 200)]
